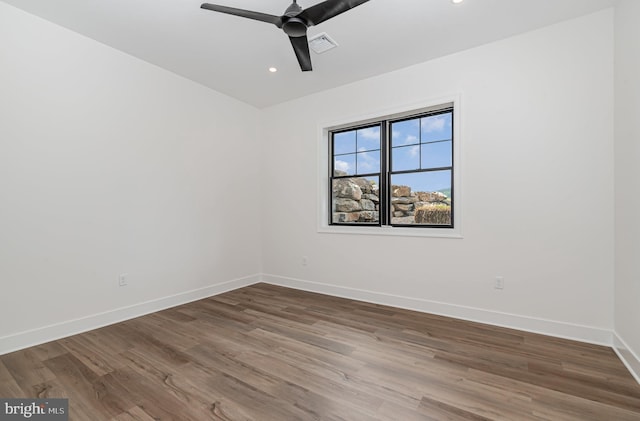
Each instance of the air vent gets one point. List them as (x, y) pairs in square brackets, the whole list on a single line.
[(321, 43)]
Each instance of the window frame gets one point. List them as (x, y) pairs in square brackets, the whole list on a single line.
[(325, 165), (388, 167), (383, 152)]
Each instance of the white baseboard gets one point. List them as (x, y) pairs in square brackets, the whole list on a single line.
[(629, 358), (564, 330), (56, 331)]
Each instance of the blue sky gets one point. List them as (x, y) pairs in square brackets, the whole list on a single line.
[(419, 143)]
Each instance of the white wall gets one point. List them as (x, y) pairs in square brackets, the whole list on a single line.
[(627, 174), (537, 116), (110, 165)]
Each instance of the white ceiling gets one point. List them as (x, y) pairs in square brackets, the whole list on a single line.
[(232, 54)]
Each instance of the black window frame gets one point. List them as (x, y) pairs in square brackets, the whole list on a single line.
[(386, 171)]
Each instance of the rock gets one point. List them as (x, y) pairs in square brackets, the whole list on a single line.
[(404, 220), (346, 205), (373, 197), (369, 216), (403, 207), (401, 191), (404, 200), (347, 189), (367, 205), (341, 217), (364, 185), (435, 196)]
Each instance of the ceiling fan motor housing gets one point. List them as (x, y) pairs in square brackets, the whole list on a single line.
[(295, 27)]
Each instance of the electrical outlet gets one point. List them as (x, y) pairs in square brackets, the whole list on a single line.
[(499, 283), (122, 280)]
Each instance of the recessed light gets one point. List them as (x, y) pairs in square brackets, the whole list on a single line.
[(273, 69), (456, 1)]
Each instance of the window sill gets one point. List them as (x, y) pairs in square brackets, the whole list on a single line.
[(391, 231)]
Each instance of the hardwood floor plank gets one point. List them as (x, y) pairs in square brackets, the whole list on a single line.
[(92, 357), (284, 345), (197, 381), (26, 368), (49, 389), (441, 410), (266, 352), (134, 414), (86, 389), (308, 338), (227, 363), (141, 338), (158, 399), (110, 339), (390, 411), (340, 391), (48, 350), (8, 385)]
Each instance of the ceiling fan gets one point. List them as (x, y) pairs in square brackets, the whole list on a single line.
[(295, 21)]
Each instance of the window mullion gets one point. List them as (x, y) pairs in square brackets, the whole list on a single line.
[(385, 198)]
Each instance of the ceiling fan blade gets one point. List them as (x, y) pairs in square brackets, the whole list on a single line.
[(328, 9), (263, 17), (301, 48)]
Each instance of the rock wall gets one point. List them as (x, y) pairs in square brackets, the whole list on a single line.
[(357, 199)]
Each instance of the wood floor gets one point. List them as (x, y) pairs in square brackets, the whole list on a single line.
[(270, 353)]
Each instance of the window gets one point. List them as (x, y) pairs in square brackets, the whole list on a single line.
[(394, 172)]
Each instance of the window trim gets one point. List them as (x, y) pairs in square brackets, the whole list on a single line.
[(398, 113)]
